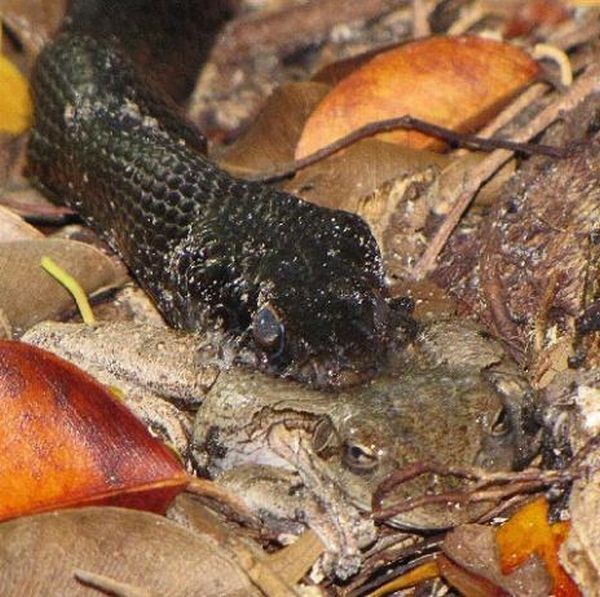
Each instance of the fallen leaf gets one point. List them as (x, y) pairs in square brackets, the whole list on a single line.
[(472, 564), (345, 179), (72, 443), (457, 83), (468, 584), (269, 143), (13, 227), (529, 533), (40, 554), (28, 294), (16, 108)]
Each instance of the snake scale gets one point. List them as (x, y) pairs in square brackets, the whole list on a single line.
[(298, 289)]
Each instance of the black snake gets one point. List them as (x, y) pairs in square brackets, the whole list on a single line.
[(299, 288)]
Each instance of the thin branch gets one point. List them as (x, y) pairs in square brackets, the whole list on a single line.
[(410, 123), (295, 26), (587, 83)]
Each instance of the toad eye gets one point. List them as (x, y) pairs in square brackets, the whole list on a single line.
[(501, 424), (359, 458), (325, 437), (268, 329)]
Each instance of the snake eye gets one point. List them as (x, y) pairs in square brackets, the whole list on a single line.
[(359, 458), (268, 328)]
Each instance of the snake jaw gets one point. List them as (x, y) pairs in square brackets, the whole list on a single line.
[(336, 341)]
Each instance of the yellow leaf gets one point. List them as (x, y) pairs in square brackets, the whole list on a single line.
[(426, 571), (15, 102)]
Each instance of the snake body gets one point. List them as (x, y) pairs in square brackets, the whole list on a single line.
[(300, 288)]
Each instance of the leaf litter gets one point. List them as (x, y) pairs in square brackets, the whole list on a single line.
[(548, 211)]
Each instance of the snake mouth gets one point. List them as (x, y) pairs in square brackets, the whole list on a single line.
[(332, 362), (364, 359), (321, 373)]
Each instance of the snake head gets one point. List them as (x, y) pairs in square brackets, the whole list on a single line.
[(299, 289), (322, 314), (341, 343)]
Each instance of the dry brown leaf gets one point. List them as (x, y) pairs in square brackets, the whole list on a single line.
[(345, 179), (269, 143), (28, 294), (72, 443), (13, 227), (40, 554), (468, 585), (457, 83)]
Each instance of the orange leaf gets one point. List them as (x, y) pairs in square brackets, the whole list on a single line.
[(67, 442), (15, 102), (530, 15), (456, 82), (528, 532)]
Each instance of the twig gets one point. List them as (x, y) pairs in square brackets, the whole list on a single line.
[(414, 470), (411, 123), (587, 83), (489, 486), (293, 27), (111, 586)]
